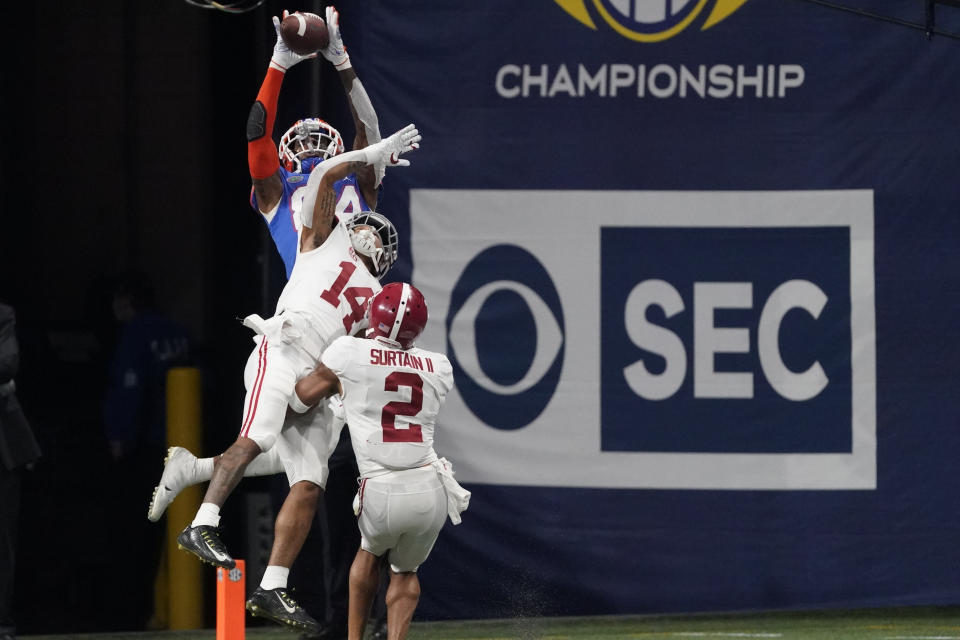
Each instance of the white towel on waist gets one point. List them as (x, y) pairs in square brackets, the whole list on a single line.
[(278, 328), (458, 498)]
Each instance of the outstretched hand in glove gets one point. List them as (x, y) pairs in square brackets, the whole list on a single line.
[(283, 58), (388, 151), (335, 52)]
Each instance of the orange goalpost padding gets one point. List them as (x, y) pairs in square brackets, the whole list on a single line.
[(231, 599)]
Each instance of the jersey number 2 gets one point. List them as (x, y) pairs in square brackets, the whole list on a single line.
[(388, 417), (353, 295)]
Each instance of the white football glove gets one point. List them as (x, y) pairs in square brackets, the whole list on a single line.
[(335, 51), (387, 152), (336, 406), (283, 58)]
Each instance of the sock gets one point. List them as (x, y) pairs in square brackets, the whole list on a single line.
[(202, 470), (208, 514), (275, 577)]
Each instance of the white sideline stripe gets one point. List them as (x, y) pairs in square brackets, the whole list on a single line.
[(725, 634), (922, 638)]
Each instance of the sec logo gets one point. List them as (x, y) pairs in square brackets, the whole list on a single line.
[(704, 352), (505, 330), (650, 20), (667, 340)]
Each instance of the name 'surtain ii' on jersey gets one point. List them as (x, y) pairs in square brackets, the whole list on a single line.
[(389, 358)]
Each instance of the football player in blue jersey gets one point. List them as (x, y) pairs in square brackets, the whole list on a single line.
[(279, 179)]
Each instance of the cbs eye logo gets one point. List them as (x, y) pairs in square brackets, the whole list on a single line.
[(650, 20), (506, 336)]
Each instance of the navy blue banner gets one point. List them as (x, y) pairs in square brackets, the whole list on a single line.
[(696, 263), (693, 269)]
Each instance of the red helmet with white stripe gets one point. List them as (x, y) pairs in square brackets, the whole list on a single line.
[(398, 313)]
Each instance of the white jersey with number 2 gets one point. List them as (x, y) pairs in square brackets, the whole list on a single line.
[(391, 397)]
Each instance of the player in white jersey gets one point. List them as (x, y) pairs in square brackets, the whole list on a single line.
[(335, 274), (279, 174), (391, 395)]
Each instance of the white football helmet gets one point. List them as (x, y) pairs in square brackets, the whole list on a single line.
[(365, 243), (310, 138)]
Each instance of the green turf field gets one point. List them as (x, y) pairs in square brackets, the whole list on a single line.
[(926, 623)]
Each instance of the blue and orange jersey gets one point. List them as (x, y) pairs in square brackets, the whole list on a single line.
[(285, 223)]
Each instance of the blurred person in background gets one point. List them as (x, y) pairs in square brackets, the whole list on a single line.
[(391, 392), (148, 345), (18, 451)]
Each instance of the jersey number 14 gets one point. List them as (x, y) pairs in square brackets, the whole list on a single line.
[(356, 297)]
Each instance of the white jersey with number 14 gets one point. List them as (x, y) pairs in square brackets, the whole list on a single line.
[(391, 397), (329, 289)]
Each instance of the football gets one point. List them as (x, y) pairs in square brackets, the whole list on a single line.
[(304, 33)]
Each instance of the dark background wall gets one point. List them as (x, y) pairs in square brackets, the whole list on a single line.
[(124, 149)]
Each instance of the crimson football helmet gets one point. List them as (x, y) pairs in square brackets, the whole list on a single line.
[(398, 313), (307, 143)]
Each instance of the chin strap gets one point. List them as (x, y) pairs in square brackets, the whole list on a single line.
[(309, 164)]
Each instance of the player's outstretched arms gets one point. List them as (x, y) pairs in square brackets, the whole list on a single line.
[(261, 150), (283, 58), (335, 52), (389, 150), (319, 202), (365, 119)]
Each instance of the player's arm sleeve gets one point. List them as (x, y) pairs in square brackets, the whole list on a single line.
[(367, 132), (262, 157), (364, 115)]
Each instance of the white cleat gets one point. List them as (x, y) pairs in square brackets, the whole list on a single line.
[(178, 471)]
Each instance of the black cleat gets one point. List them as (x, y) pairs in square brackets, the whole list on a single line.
[(379, 630), (277, 605), (329, 631), (204, 542)]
